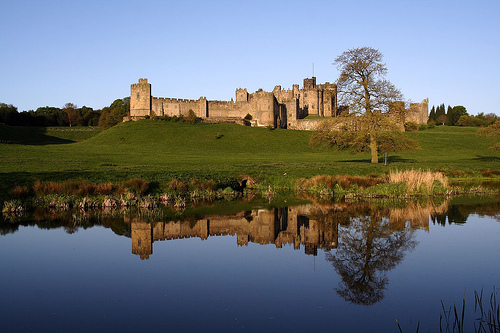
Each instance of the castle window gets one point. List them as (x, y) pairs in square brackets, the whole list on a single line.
[(139, 243), (138, 94), (305, 94)]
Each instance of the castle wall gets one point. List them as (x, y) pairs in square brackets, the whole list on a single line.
[(304, 124), (173, 107), (279, 109), (417, 113)]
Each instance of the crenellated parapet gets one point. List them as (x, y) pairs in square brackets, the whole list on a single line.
[(280, 108)]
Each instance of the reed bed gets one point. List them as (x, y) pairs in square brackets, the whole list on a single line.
[(418, 180)]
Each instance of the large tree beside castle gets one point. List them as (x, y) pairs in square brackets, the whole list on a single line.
[(363, 88)]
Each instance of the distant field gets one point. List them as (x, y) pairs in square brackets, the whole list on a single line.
[(159, 151), (46, 135)]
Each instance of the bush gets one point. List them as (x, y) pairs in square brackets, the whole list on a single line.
[(202, 185), (191, 117), (412, 127), (333, 182), (138, 185), (177, 186), (20, 192)]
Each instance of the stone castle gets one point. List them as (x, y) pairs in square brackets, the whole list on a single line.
[(278, 109)]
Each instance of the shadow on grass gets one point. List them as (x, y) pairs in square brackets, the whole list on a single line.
[(35, 136), (487, 158), (390, 159)]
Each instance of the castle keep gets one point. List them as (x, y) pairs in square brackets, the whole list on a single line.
[(278, 109)]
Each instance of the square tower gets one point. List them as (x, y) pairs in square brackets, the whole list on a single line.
[(140, 99)]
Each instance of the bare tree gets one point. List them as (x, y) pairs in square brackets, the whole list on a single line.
[(72, 113), (363, 88)]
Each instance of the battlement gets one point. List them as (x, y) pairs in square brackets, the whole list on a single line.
[(277, 108), (221, 103), (174, 100), (142, 82), (310, 83)]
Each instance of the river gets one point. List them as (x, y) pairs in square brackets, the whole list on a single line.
[(251, 266)]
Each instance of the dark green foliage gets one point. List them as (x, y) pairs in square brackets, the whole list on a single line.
[(112, 115), (191, 118), (492, 131), (352, 133), (455, 113), (432, 115)]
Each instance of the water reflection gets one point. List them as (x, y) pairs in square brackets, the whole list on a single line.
[(362, 241), (370, 245), (296, 226)]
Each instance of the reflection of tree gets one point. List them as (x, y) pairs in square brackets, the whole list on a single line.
[(368, 247)]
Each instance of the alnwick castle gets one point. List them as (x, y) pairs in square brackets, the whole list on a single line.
[(278, 109)]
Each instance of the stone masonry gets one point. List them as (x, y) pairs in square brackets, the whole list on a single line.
[(278, 109)]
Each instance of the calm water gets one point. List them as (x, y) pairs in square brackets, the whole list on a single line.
[(337, 267)]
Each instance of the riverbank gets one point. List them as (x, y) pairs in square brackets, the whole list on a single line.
[(140, 193), (162, 151)]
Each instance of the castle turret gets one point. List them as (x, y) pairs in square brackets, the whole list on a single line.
[(241, 95), (140, 99)]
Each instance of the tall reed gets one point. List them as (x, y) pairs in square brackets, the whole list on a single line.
[(418, 180)]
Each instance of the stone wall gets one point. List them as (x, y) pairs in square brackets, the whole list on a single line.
[(417, 113)]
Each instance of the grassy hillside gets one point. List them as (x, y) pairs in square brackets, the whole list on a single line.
[(45, 135), (159, 150)]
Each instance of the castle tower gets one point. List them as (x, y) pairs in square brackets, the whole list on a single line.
[(241, 95), (140, 99), (142, 238), (310, 84)]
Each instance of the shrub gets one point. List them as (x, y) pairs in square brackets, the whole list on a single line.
[(20, 192), (177, 186), (46, 188), (490, 173), (138, 185), (411, 127), (202, 185), (105, 188), (344, 181), (191, 117)]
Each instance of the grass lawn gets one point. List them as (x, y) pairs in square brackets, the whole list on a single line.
[(160, 151)]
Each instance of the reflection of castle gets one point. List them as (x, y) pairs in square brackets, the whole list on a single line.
[(287, 225)]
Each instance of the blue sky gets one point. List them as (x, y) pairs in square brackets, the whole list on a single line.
[(89, 52)]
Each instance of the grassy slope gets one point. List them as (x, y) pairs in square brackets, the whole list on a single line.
[(162, 150), (45, 135)]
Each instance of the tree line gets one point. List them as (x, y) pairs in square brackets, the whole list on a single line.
[(68, 115), (458, 116)]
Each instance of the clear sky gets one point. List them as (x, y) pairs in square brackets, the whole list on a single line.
[(89, 52)]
